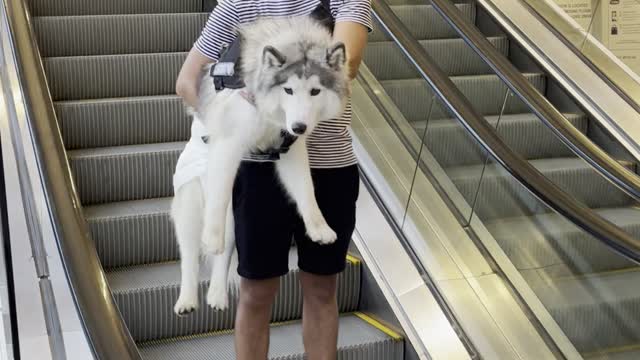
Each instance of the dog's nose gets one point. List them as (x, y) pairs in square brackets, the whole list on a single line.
[(299, 128)]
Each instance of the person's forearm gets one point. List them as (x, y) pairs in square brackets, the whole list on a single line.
[(354, 37), (188, 82)]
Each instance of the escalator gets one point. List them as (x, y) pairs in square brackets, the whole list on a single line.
[(111, 70), (588, 289)]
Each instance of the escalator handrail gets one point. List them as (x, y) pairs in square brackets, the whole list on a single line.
[(527, 175), (573, 138), (108, 336)]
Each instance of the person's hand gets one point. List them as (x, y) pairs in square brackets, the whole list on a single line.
[(188, 82)]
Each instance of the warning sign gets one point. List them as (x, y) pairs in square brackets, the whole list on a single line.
[(621, 30)]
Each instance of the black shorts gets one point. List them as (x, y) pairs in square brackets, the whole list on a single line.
[(266, 221)]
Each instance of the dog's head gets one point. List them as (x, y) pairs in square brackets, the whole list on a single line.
[(304, 83)]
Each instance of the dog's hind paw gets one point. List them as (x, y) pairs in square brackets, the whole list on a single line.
[(218, 298), (322, 234), (185, 305)]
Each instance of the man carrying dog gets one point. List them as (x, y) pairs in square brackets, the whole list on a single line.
[(265, 218)]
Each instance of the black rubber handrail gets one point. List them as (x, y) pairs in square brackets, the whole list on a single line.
[(108, 336), (573, 138), (534, 181)]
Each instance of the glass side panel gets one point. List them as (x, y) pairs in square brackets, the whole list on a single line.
[(592, 293)]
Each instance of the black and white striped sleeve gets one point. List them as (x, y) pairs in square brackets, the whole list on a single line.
[(219, 30), (358, 11)]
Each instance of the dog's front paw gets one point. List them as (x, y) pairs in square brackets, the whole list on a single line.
[(321, 233), (213, 239), (185, 305), (218, 298)]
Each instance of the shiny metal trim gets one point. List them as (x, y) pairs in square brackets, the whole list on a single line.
[(100, 317), (423, 321)]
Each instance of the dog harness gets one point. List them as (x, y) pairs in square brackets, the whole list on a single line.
[(226, 74)]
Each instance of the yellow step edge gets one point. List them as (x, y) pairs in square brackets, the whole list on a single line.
[(207, 334), (353, 260), (380, 326), (366, 318)]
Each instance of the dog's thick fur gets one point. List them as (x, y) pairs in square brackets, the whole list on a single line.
[(298, 77)]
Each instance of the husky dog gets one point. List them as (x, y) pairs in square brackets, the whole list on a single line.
[(295, 76)]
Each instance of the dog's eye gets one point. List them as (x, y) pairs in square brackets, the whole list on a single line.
[(315, 92), (288, 91)]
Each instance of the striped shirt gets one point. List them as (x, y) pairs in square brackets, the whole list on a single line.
[(330, 144)]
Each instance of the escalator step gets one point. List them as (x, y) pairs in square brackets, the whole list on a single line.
[(502, 196), (133, 232), (146, 295), (117, 34), (84, 7), (596, 312), (356, 340), (632, 353), (524, 133), (387, 62), (552, 240), (104, 76), (423, 21), (125, 172), (122, 121), (485, 92)]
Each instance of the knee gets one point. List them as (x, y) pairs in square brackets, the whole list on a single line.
[(319, 291), (258, 293)]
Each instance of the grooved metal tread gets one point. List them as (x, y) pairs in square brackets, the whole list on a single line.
[(114, 151), (487, 94), (85, 7), (356, 340), (386, 61), (111, 76), (631, 353), (596, 311), (501, 196), (117, 34), (524, 133), (552, 240), (122, 121), (125, 172), (423, 22), (125, 209), (133, 232), (145, 296)]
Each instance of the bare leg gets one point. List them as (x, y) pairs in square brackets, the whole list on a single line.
[(319, 316), (295, 175), (252, 320)]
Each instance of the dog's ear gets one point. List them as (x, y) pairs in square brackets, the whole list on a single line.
[(337, 56), (271, 57)]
